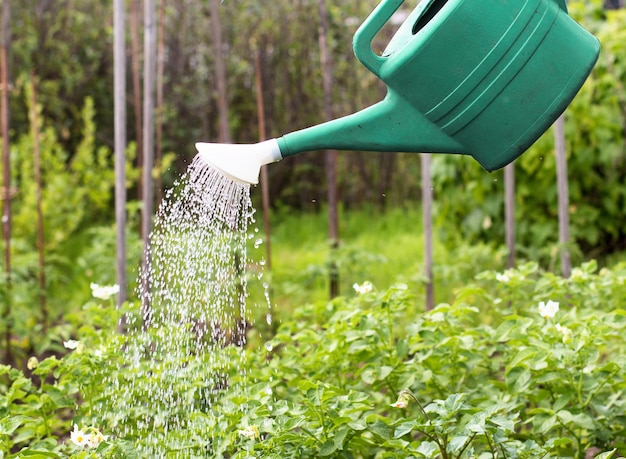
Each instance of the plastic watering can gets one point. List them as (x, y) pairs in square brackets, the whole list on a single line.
[(479, 77)]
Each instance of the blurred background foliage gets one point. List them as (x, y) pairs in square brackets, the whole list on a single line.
[(67, 46)]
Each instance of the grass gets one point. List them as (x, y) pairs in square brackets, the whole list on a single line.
[(379, 247)]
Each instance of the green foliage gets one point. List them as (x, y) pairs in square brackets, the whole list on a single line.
[(66, 46), (484, 376), (38, 406), (79, 241), (487, 375)]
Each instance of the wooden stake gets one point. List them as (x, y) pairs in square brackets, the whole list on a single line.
[(427, 202), (149, 88), (331, 155), (159, 100), (264, 178), (509, 212), (34, 122), (119, 91), (220, 72), (563, 195), (136, 74), (6, 173)]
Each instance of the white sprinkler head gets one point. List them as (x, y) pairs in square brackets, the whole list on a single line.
[(240, 162)]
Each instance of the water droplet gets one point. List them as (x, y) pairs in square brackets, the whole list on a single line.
[(197, 252), (269, 347)]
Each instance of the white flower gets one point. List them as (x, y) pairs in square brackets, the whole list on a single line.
[(32, 363), (365, 287), (71, 344), (503, 277), (250, 432), (404, 397), (79, 437), (400, 403), (96, 438), (104, 292), (89, 437), (566, 332), (548, 310)]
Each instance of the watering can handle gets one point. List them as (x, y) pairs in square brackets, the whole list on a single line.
[(362, 42)]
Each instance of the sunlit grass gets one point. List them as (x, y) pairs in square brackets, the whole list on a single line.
[(379, 247)]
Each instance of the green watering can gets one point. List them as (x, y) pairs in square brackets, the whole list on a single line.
[(479, 77)]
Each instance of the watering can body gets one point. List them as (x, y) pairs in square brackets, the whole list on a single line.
[(479, 77)]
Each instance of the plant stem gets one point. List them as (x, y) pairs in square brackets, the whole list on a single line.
[(467, 443), (412, 395)]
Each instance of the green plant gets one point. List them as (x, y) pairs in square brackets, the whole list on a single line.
[(521, 364)]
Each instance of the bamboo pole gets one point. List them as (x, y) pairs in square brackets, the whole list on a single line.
[(509, 212), (265, 192), (34, 122), (149, 88), (220, 72), (427, 201), (331, 155), (119, 94), (136, 78), (563, 195), (159, 99), (5, 36)]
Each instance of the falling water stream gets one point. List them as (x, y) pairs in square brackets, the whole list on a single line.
[(189, 331)]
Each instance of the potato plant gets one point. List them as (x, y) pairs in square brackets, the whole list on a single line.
[(521, 364)]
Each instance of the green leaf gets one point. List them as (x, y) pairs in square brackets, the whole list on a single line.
[(36, 454), (378, 427), (358, 425), (403, 429), (328, 448), (583, 420), (340, 436), (606, 455), (546, 424), (402, 348), (369, 375), (457, 442), (10, 424), (503, 422), (428, 449), (477, 423)]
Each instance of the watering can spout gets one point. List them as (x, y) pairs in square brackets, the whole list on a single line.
[(240, 162), (384, 127)]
